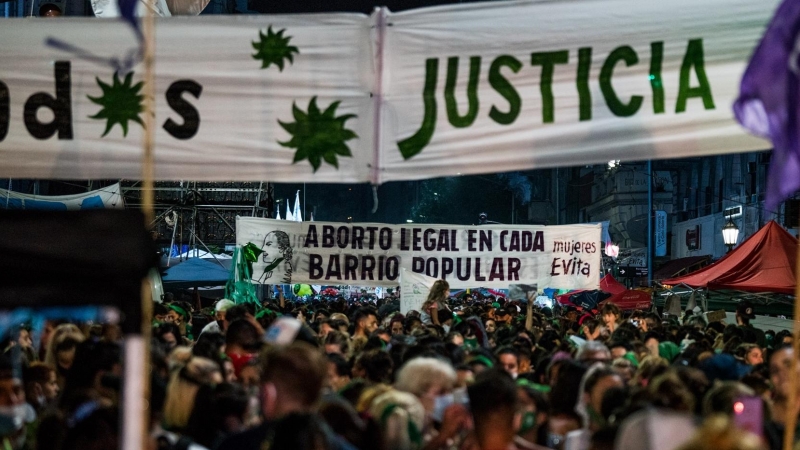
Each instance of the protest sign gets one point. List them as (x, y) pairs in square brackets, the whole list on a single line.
[(371, 254), (414, 290)]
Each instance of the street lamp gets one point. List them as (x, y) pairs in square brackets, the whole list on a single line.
[(730, 234)]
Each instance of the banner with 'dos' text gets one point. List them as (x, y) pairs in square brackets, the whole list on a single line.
[(459, 89), (372, 254)]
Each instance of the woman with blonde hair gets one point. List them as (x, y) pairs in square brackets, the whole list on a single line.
[(427, 379), (435, 311), (182, 390), (61, 350)]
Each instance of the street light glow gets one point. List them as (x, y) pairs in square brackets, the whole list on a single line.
[(730, 234)]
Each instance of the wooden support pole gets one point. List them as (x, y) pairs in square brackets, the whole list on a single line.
[(791, 418)]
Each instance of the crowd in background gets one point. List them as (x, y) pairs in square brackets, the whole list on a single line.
[(473, 373)]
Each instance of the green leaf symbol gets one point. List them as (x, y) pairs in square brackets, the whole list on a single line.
[(273, 48), (121, 102), (318, 135)]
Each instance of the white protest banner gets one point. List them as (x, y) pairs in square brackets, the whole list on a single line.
[(107, 197), (472, 88), (504, 86), (232, 97), (414, 290), (371, 254)]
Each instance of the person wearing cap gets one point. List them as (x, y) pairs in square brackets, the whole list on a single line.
[(501, 316), (219, 325), (744, 314)]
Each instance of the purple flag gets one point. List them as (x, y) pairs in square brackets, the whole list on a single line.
[(127, 10), (769, 102)]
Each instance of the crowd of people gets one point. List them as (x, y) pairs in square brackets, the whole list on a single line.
[(466, 373)]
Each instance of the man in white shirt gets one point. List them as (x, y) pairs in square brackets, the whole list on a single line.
[(219, 325)]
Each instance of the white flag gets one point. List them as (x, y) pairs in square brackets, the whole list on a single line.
[(298, 216), (289, 215)]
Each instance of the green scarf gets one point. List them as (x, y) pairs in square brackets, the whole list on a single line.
[(274, 264)]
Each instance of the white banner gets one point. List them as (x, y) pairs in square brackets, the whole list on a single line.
[(371, 254), (483, 87), (224, 86), (414, 290), (503, 86), (107, 197)]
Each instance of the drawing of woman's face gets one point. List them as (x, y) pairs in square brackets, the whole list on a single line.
[(270, 248)]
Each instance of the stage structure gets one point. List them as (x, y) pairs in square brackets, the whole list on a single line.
[(202, 215)]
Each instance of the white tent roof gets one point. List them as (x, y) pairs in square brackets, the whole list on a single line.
[(197, 253)]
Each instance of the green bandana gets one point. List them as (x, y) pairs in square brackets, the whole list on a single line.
[(482, 360), (522, 382), (179, 310)]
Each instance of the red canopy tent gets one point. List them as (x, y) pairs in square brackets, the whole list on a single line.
[(621, 296), (764, 262), (611, 285)]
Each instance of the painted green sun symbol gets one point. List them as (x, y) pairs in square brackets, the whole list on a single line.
[(273, 48), (121, 103), (318, 135)]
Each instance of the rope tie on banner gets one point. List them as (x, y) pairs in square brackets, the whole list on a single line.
[(374, 199)]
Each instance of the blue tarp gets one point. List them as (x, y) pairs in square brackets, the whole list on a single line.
[(195, 272)]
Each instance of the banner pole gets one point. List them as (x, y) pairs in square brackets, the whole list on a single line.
[(148, 209), (791, 419)]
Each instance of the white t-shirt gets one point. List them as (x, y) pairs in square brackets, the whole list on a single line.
[(212, 326)]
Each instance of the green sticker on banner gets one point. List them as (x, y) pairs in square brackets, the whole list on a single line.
[(318, 135), (274, 48), (121, 102)]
